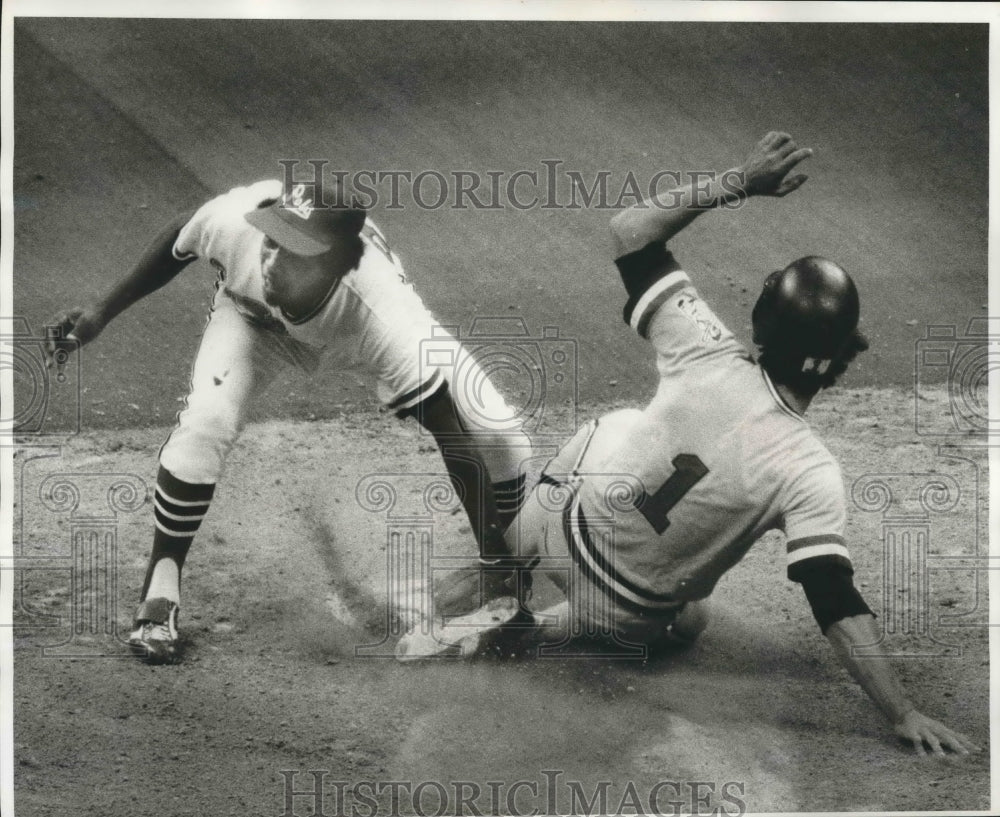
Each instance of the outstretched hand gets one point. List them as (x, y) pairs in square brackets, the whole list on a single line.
[(919, 730), (767, 170), (71, 329)]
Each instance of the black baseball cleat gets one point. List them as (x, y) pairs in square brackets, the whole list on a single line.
[(155, 636), (509, 576)]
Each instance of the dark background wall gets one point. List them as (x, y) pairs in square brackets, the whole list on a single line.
[(119, 124)]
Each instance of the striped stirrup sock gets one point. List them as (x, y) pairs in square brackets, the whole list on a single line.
[(509, 496), (178, 509)]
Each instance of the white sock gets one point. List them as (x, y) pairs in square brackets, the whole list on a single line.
[(166, 581)]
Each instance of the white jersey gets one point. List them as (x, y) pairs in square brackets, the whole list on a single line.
[(371, 318), (681, 490)]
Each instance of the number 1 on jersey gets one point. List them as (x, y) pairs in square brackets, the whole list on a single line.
[(689, 471)]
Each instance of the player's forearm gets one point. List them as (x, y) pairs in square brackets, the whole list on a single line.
[(661, 217), (155, 268), (873, 673), (765, 172)]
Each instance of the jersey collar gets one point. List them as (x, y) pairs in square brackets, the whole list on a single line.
[(782, 404), (317, 309)]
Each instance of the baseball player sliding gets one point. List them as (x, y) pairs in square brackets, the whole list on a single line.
[(651, 507), (302, 274)]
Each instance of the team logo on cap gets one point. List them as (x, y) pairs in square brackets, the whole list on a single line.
[(298, 202)]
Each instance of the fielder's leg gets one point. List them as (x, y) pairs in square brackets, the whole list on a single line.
[(496, 431), (235, 361), (459, 632), (481, 441)]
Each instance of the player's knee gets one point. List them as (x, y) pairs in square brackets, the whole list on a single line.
[(196, 451), (490, 419), (691, 622)]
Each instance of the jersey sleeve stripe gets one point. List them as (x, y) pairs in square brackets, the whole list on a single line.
[(814, 551), (809, 541), (419, 394), (654, 298)]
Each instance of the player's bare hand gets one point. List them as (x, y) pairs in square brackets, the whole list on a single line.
[(924, 732), (69, 330), (767, 170)]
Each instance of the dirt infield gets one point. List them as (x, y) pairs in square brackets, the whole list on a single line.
[(286, 635), (288, 625)]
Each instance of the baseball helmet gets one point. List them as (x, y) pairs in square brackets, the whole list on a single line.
[(807, 310)]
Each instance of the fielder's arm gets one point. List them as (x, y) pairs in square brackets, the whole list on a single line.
[(156, 267), (661, 217), (877, 678)]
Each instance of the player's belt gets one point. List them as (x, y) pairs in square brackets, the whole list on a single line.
[(600, 569)]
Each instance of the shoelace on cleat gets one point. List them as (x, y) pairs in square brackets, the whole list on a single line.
[(157, 631)]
